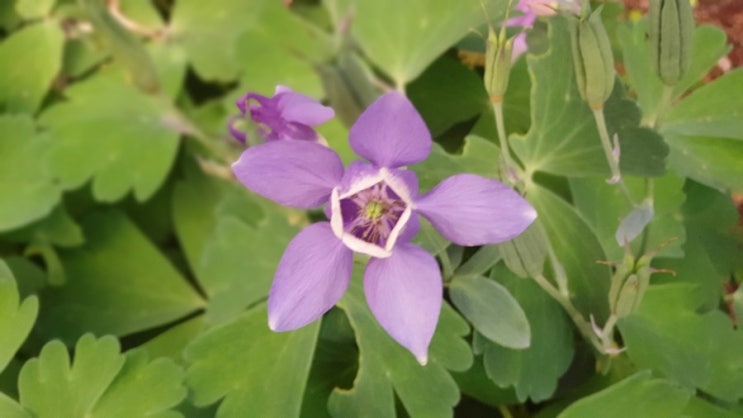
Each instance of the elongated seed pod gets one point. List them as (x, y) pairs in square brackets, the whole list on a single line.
[(592, 59), (670, 33), (497, 65)]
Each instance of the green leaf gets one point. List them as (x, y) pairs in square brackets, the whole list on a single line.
[(492, 310), (710, 218), (9, 408), (639, 395), (32, 57), (479, 156), (58, 228), (209, 32), (562, 138), (334, 365), (525, 254), (31, 9), (577, 249), (708, 46), (28, 190), (142, 12), (703, 353), (49, 379), (476, 384), (705, 133), (602, 206), (16, 319), (700, 408), (276, 51), (124, 46), (403, 38), (386, 366), (195, 199), (232, 280), (172, 342), (101, 383), (250, 367), (170, 62), (142, 388), (29, 276), (117, 283), (9, 18), (479, 263), (533, 372), (218, 223), (126, 143), (447, 93)]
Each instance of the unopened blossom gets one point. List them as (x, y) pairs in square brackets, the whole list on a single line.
[(374, 209), (286, 115)]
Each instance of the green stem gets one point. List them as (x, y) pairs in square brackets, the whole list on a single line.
[(504, 411), (616, 175), (503, 139), (663, 105), (583, 326), (217, 149)]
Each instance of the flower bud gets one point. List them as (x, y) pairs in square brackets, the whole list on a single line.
[(592, 59), (497, 65), (671, 27), (628, 296)]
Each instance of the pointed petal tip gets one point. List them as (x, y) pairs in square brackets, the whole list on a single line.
[(272, 324), (422, 359)]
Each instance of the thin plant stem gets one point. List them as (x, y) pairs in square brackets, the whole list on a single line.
[(502, 139), (583, 326), (616, 175), (665, 101), (504, 411)]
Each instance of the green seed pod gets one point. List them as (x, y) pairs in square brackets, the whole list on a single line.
[(624, 270), (592, 59), (628, 296), (671, 27), (497, 65)]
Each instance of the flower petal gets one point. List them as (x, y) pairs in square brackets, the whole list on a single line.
[(236, 133), (391, 133), (292, 173), (313, 274), (472, 210), (295, 107), (404, 293), (412, 227)]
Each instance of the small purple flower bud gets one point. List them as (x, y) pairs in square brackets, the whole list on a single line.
[(286, 115)]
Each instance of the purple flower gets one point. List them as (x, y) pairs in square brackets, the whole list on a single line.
[(373, 208), (286, 115)]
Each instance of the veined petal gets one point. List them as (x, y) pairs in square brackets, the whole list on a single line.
[(391, 133), (292, 173), (472, 210), (313, 274), (404, 293), (295, 107)]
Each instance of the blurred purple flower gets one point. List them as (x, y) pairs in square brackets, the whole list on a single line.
[(286, 115), (531, 9), (373, 209)]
